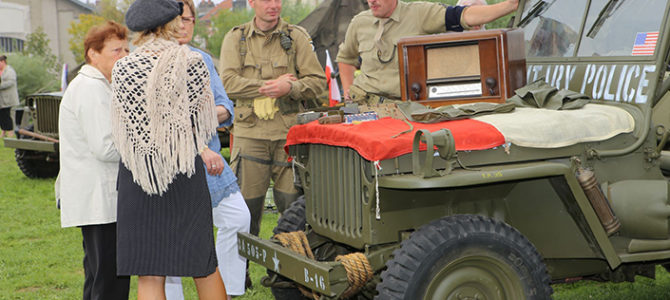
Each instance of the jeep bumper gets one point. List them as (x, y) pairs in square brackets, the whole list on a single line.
[(327, 278), (26, 144)]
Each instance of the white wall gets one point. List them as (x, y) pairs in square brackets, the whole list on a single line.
[(14, 20)]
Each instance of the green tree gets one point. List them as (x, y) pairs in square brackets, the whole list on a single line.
[(78, 31), (108, 9), (113, 10), (37, 45), (37, 68), (223, 21), (31, 74), (221, 24)]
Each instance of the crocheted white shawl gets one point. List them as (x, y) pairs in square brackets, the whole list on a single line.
[(162, 112)]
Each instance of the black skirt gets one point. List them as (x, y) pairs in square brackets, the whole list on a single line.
[(168, 235), (6, 119)]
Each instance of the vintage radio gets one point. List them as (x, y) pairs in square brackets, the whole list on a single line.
[(451, 68)]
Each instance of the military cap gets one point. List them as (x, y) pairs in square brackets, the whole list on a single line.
[(148, 14)]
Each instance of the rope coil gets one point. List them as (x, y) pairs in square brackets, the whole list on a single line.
[(359, 272), (357, 266)]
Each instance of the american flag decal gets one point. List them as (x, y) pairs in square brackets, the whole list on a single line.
[(645, 42)]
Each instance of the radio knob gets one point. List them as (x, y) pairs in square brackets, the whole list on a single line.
[(491, 85), (416, 90)]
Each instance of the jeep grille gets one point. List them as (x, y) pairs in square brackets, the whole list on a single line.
[(339, 190), (46, 115)]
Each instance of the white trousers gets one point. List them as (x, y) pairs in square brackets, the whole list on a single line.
[(230, 217)]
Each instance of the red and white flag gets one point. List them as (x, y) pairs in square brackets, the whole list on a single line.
[(645, 43), (63, 78), (334, 96)]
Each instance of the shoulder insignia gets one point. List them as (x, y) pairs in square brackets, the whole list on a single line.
[(304, 32)]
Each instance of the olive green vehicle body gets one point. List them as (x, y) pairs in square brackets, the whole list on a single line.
[(533, 190), (40, 112)]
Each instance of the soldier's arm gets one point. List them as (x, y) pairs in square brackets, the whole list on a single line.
[(230, 68), (346, 77), (482, 14), (311, 76), (347, 58)]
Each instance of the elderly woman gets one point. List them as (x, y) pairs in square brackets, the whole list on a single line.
[(89, 161), (9, 96), (162, 118), (230, 212)]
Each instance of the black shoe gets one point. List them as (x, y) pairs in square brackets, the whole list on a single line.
[(247, 282)]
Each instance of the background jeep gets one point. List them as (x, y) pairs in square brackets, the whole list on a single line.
[(36, 141), (504, 222)]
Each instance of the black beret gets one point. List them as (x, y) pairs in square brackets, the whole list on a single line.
[(148, 14)]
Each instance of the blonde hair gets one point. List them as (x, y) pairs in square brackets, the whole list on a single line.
[(168, 31), (191, 6)]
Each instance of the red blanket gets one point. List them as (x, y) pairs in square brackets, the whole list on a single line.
[(372, 140)]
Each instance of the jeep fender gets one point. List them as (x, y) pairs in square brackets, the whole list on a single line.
[(543, 200)]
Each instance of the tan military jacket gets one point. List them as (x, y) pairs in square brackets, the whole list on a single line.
[(408, 19), (265, 59)]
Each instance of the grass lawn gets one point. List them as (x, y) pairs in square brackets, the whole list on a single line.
[(40, 260)]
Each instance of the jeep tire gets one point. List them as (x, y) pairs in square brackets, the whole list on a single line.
[(465, 257), (292, 219), (34, 164)]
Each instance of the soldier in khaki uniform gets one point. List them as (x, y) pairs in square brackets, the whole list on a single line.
[(270, 70), (373, 36)]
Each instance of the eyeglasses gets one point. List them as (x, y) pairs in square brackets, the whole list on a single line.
[(188, 20)]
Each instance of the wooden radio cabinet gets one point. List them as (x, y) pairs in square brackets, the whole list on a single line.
[(463, 67)]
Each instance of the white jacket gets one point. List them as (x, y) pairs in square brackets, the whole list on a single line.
[(89, 162)]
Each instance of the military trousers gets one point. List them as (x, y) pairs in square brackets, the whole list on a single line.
[(256, 162)]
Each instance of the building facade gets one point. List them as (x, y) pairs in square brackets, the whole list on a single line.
[(18, 18)]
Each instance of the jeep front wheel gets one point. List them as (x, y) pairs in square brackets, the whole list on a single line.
[(292, 219), (36, 164), (465, 257)]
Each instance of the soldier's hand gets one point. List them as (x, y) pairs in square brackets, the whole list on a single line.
[(287, 76), (347, 97), (276, 88), (213, 162)]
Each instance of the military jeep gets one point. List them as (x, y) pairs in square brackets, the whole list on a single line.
[(504, 222), (36, 142)]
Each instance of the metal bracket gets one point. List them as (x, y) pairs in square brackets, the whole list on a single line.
[(446, 147)]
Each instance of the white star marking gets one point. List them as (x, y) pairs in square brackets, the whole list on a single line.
[(276, 261)]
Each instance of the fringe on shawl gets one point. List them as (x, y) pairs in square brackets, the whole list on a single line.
[(172, 116)]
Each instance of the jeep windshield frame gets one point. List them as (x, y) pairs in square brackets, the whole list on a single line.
[(603, 67), (562, 28)]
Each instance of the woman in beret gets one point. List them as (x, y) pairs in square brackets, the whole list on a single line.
[(162, 117)]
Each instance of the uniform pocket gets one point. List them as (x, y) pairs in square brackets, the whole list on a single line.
[(366, 46), (245, 117), (279, 65), (250, 66), (368, 52)]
